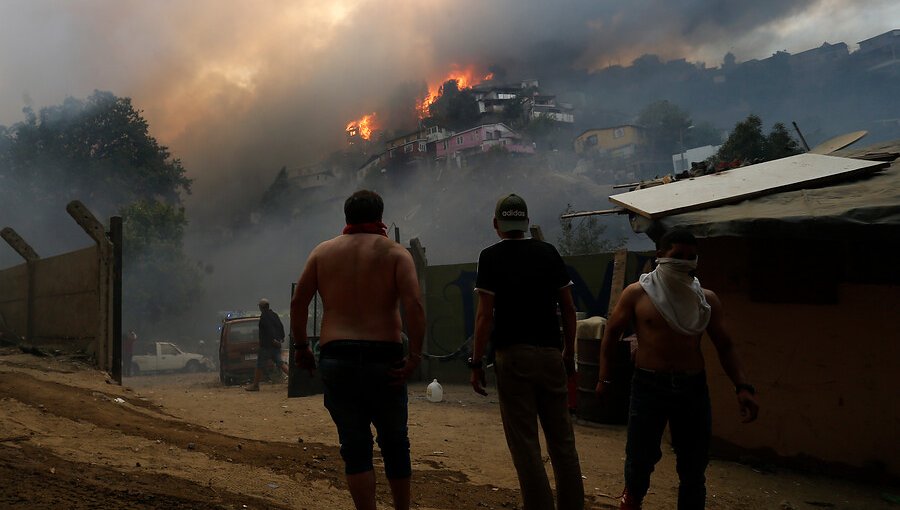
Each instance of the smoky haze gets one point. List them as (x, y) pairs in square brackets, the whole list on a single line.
[(237, 90)]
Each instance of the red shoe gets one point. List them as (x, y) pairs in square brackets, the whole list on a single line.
[(629, 502)]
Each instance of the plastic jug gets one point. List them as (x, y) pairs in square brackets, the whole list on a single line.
[(434, 392)]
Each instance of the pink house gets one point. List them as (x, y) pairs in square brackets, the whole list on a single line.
[(482, 139)]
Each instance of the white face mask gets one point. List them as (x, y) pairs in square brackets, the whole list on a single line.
[(680, 265)]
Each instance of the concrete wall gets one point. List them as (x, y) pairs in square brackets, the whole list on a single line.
[(13, 295), (65, 297), (824, 363)]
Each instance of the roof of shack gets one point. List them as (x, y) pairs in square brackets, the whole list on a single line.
[(864, 206)]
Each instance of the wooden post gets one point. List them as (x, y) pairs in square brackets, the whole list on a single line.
[(618, 279), (115, 236), (418, 254)]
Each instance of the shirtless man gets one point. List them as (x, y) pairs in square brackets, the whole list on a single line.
[(362, 276), (670, 312)]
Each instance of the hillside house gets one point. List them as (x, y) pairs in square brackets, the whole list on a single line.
[(617, 141), (482, 139), (542, 106)]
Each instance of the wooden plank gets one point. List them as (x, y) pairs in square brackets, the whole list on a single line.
[(730, 186), (838, 142), (618, 279)]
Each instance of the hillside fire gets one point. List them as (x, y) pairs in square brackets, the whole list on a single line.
[(361, 128), (464, 78)]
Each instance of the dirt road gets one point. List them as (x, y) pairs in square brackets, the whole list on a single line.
[(68, 439)]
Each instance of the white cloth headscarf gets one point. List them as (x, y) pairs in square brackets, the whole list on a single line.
[(678, 295)]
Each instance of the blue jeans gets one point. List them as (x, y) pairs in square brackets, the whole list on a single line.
[(682, 400), (358, 394)]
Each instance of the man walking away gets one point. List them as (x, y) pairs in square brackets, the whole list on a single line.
[(520, 283), (670, 311), (362, 276), (271, 335)]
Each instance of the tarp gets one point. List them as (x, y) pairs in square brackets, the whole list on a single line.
[(865, 207)]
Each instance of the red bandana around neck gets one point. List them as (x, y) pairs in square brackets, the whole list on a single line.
[(375, 227)]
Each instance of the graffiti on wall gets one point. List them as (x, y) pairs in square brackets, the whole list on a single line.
[(451, 298)]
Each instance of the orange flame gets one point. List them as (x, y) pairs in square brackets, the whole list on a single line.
[(488, 77), (362, 127), (464, 78)]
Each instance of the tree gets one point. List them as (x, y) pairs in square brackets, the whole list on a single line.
[(454, 108), (583, 236), (780, 143), (159, 279), (745, 143), (99, 150), (667, 126), (748, 144)]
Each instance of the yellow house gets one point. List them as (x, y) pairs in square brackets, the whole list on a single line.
[(619, 141)]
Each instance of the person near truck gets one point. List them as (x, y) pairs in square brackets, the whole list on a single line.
[(271, 334)]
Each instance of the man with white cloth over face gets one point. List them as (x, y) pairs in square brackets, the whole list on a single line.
[(670, 311)]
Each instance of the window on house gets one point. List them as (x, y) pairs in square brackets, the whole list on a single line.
[(444, 145), (619, 133), (459, 140), (408, 148), (421, 146), (490, 136)]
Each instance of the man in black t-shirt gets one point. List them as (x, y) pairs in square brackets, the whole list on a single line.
[(520, 284)]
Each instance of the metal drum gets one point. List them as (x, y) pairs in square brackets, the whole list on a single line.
[(613, 407)]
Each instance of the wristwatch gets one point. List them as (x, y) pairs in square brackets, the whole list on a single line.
[(744, 386), (474, 364)]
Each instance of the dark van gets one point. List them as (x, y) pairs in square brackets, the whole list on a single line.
[(238, 348)]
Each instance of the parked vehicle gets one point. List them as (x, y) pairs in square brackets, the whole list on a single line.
[(239, 348), (166, 357)]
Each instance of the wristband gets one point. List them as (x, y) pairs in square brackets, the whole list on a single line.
[(473, 364)]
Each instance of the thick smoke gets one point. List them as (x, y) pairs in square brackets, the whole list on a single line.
[(237, 90)]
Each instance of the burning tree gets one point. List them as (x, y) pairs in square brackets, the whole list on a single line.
[(455, 108)]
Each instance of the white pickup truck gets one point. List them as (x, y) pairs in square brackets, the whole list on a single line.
[(166, 356)]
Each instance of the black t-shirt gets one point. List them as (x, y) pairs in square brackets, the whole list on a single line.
[(525, 277), (270, 328)]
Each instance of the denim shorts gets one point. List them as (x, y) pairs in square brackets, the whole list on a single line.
[(358, 395)]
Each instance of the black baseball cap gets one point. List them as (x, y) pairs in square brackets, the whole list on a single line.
[(511, 214)]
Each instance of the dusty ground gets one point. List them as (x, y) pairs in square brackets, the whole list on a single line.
[(183, 441)]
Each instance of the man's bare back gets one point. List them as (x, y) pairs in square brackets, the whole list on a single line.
[(361, 279)]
